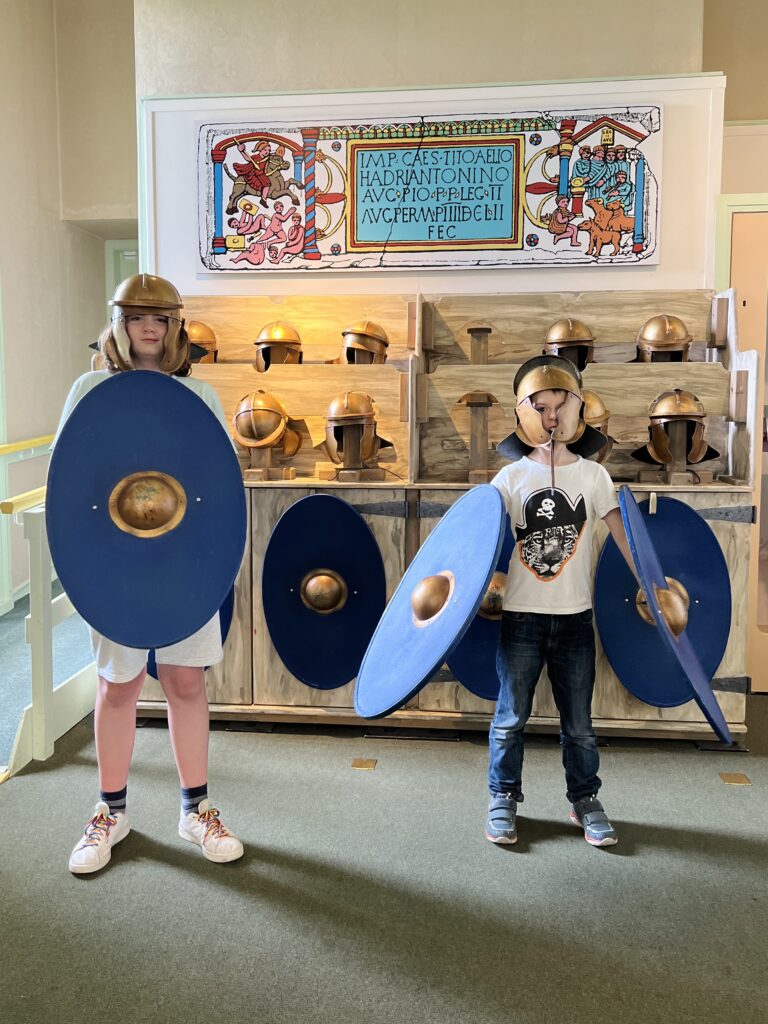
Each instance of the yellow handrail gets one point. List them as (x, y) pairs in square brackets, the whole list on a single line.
[(22, 446), (21, 502)]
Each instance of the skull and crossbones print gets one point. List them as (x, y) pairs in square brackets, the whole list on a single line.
[(547, 508)]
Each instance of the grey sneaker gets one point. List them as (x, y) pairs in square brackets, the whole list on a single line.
[(502, 812), (588, 813)]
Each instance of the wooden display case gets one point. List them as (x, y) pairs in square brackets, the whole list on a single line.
[(418, 396)]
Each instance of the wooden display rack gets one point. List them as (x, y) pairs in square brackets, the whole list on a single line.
[(444, 399)]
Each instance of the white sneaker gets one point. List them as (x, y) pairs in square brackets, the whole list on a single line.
[(204, 827), (102, 832)]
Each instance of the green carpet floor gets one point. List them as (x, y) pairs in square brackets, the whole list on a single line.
[(374, 898)]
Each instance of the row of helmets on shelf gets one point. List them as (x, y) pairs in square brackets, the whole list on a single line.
[(363, 342), (661, 339), (261, 420)]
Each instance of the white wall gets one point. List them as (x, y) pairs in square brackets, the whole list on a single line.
[(745, 158), (692, 118)]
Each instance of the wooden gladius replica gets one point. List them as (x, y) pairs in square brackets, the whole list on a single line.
[(323, 589), (261, 424)]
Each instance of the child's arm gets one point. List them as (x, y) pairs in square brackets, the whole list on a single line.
[(615, 525)]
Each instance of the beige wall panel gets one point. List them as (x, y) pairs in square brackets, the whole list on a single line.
[(734, 42), (187, 48), (319, 319), (520, 321), (97, 109), (307, 391), (51, 274)]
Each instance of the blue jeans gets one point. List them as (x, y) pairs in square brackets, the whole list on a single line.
[(566, 645)]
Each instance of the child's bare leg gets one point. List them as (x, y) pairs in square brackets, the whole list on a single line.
[(115, 726), (187, 721)]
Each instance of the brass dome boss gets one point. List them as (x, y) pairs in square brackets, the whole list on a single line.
[(323, 591), (147, 504), (430, 597), (674, 604)]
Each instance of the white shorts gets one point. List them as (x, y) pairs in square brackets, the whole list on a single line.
[(118, 664)]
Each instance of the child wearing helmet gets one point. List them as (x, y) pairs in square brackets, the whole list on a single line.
[(147, 332), (553, 493)]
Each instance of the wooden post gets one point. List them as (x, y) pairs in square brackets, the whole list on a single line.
[(261, 467), (479, 351), (353, 443), (718, 339), (478, 403)]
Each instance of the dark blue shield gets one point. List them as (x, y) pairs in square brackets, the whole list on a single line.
[(145, 588), (322, 536), (655, 666), (473, 662), (406, 651)]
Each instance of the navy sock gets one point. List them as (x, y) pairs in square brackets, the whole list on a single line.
[(192, 798), (115, 800)]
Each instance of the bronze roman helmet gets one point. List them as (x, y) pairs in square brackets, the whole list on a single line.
[(663, 339), (350, 409), (139, 294), (277, 342), (597, 415), (201, 336), (571, 339), (364, 342), (549, 373), (262, 421), (670, 407)]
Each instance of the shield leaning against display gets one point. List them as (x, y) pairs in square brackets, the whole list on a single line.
[(473, 662), (664, 666), (323, 589), (145, 510), (434, 604)]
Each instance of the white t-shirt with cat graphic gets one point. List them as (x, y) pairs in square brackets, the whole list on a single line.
[(551, 567)]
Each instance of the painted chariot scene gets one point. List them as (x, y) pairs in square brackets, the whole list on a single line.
[(565, 188)]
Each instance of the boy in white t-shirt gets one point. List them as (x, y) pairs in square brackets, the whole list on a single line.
[(553, 495)]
